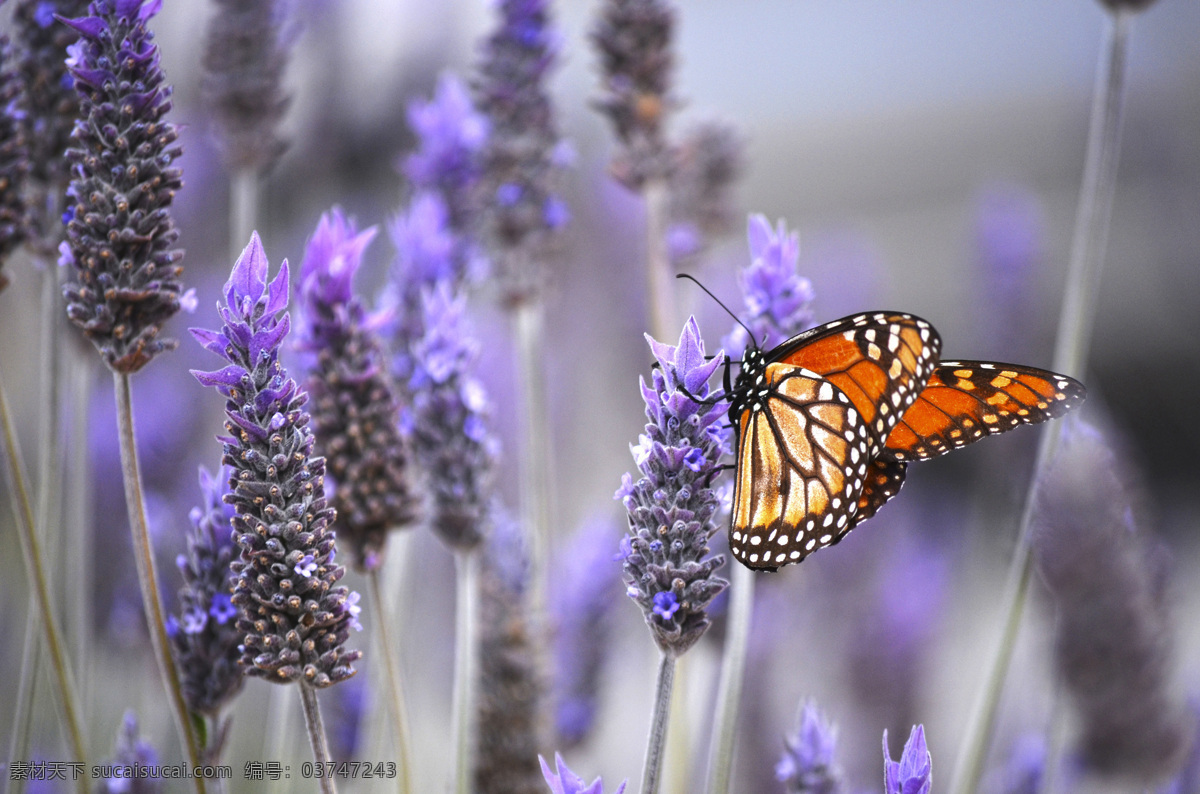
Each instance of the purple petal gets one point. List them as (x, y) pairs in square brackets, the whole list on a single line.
[(229, 376), (277, 297), (210, 340), (249, 274), (91, 27)]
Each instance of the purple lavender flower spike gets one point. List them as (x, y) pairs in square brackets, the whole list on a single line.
[(521, 152), (14, 159), (246, 52), (808, 765), (706, 164), (51, 106), (120, 230), (913, 773), (450, 409), (671, 506), (294, 625), (633, 38), (356, 410), (132, 750), (776, 297), (563, 781), (452, 135)]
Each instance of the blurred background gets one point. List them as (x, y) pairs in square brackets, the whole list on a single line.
[(929, 153)]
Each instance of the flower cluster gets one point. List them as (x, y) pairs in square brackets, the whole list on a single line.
[(707, 162), (14, 160), (524, 155), (777, 298), (1102, 572), (634, 41), (294, 618), (913, 773), (671, 506), (452, 136), (51, 104), (563, 781), (808, 765), (205, 636), (120, 231), (449, 428), (244, 58), (355, 409)]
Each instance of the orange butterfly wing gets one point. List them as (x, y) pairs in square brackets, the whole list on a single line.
[(965, 401), (806, 471)]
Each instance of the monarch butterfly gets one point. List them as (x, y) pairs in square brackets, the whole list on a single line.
[(828, 421)]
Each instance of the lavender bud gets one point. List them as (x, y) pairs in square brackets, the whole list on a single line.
[(205, 636), (120, 231), (776, 297), (355, 409), (913, 773), (808, 765), (294, 619), (672, 505), (633, 38), (1113, 638), (563, 781), (14, 159), (244, 58)]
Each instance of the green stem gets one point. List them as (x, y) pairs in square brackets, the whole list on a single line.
[(1071, 349), (316, 735), (31, 552), (147, 576), (660, 290), (399, 712), (465, 650), (729, 688), (18, 746), (652, 766)]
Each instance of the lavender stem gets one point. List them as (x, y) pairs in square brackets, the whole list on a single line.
[(652, 766), (466, 612), (396, 703), (316, 735), (147, 576), (22, 722), (536, 486), (244, 195), (1070, 352), (658, 264), (31, 550), (729, 687)]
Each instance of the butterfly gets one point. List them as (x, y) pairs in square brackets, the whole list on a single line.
[(827, 422)]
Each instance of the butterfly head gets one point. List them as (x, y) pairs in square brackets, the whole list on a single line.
[(750, 389)]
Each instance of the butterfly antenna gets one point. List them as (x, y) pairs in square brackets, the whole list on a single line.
[(708, 292)]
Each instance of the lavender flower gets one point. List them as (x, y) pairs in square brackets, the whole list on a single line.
[(51, 103), (582, 610), (295, 625), (447, 163), (807, 765), (563, 781), (672, 505), (913, 773), (511, 688), (634, 41), (205, 636), (120, 232), (524, 154), (1113, 634), (449, 430), (14, 160), (706, 164), (355, 408), (132, 750), (244, 58), (1025, 770), (777, 298)]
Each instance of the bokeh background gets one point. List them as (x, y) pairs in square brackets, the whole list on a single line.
[(928, 152)]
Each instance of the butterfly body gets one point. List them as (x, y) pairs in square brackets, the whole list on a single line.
[(827, 421)]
